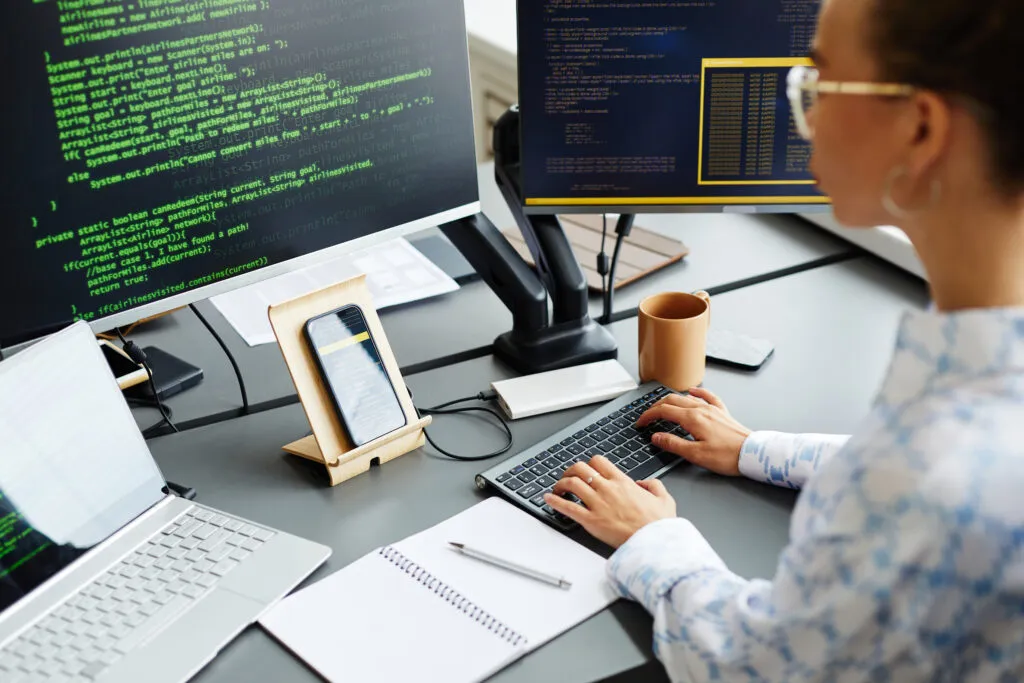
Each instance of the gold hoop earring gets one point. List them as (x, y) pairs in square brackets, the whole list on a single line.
[(890, 204)]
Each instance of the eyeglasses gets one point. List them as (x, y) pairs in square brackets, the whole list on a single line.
[(803, 87)]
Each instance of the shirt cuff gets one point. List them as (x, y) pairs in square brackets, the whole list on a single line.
[(657, 558), (756, 456)]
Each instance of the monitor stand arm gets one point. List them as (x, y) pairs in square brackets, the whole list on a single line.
[(536, 342)]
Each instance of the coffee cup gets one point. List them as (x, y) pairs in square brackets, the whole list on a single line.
[(673, 338)]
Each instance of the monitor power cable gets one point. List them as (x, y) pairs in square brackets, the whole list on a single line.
[(231, 358), (446, 409)]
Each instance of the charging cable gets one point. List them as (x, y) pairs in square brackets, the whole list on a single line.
[(138, 356), (445, 409)]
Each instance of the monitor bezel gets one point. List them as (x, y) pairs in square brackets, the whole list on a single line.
[(629, 208), (167, 304)]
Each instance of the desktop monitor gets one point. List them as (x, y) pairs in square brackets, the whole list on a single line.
[(662, 106), (158, 152)]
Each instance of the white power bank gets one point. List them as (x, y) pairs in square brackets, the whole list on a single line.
[(579, 385)]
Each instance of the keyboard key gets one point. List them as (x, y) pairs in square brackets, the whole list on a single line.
[(575, 449), (205, 531), (222, 568), (233, 525), (635, 445), (603, 421), (503, 477), (248, 544), (191, 576), (587, 442), (190, 543), (592, 428), (610, 429), (538, 500), (617, 439), (518, 469), (646, 469), (218, 554), (529, 491), (239, 554), (566, 441), (194, 592), (605, 447), (565, 456), (527, 477), (218, 538), (546, 481), (152, 625), (554, 449), (628, 464), (163, 597), (513, 484), (539, 470), (622, 423), (263, 535), (529, 462), (207, 580), (551, 463), (621, 452), (579, 435), (549, 510), (218, 520), (247, 530)]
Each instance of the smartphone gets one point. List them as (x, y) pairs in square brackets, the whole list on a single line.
[(356, 379), (737, 350)]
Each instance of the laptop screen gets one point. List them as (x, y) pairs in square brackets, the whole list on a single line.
[(74, 468)]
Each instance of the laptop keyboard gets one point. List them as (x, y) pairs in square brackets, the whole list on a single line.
[(614, 435), (133, 600)]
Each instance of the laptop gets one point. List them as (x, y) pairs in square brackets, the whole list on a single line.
[(105, 575)]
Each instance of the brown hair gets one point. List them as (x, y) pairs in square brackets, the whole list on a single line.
[(968, 49)]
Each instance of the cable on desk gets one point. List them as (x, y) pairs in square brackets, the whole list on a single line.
[(445, 409), (139, 356), (602, 258), (234, 364), (622, 229)]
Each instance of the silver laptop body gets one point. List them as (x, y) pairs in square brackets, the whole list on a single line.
[(104, 576)]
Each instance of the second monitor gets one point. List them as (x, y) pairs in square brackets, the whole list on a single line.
[(663, 106)]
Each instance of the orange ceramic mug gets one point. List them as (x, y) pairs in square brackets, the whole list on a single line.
[(673, 338)]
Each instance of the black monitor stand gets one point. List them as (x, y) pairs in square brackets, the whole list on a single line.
[(537, 342)]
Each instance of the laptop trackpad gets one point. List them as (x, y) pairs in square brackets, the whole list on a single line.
[(188, 643)]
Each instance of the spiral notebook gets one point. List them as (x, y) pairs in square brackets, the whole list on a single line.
[(416, 610)]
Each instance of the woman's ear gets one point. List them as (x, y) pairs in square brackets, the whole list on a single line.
[(931, 121)]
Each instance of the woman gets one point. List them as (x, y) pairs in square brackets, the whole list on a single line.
[(906, 555)]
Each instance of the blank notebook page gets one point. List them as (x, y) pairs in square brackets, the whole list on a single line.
[(534, 609), (417, 608), (371, 622)]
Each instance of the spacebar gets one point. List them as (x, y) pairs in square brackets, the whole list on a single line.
[(645, 470)]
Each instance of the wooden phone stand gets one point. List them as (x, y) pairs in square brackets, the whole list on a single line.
[(329, 444)]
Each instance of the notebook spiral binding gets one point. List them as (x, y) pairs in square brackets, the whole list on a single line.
[(451, 596)]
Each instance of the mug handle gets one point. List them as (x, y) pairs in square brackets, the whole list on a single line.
[(706, 298)]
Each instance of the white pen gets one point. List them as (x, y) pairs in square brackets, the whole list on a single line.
[(511, 566)]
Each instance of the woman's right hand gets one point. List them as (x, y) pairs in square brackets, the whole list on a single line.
[(718, 436)]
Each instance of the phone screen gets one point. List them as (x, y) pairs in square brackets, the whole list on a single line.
[(355, 375)]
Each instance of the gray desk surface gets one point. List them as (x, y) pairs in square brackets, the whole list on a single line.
[(725, 249), (833, 329)]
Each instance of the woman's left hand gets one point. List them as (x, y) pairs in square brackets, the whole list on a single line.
[(616, 506)]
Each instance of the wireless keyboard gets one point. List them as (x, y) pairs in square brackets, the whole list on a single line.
[(609, 431)]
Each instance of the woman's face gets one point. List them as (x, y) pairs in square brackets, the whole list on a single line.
[(857, 138)]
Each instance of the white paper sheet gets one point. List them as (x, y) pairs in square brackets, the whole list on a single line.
[(396, 273)]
